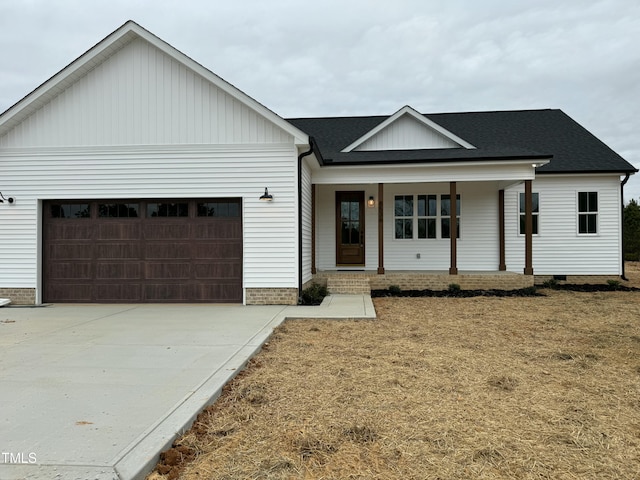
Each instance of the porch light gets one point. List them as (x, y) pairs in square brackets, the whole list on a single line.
[(267, 197), (3, 198), (371, 202)]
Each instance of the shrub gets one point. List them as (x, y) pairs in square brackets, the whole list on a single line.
[(395, 290), (553, 283), (314, 294), (454, 287), (613, 284), (632, 257)]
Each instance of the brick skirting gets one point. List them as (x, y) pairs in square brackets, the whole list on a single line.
[(19, 296), (432, 281), (271, 296), (578, 279)]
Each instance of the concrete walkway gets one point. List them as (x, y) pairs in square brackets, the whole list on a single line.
[(98, 391)]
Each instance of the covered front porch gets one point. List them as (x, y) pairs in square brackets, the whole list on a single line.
[(373, 236)]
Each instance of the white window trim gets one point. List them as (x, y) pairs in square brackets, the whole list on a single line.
[(533, 214), (438, 218), (596, 213)]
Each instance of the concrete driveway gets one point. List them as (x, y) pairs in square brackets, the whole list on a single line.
[(96, 391)]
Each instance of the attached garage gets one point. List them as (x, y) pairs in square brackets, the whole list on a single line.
[(136, 251)]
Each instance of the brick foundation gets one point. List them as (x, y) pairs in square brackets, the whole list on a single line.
[(579, 279), (19, 296), (431, 281), (271, 296)]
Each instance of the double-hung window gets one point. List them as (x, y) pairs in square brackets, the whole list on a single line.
[(427, 216), (403, 211), (587, 213), (535, 212), (424, 216)]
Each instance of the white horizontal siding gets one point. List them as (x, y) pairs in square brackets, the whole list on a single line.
[(404, 134), (141, 96), (477, 246), (558, 249), (195, 171)]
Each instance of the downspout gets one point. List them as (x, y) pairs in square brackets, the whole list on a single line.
[(300, 157), (622, 184)]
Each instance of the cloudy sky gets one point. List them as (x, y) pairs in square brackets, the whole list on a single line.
[(365, 57)]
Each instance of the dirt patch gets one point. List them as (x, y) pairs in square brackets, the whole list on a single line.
[(485, 388)]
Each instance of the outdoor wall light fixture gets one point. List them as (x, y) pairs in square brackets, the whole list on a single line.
[(371, 202), (267, 197), (3, 199)]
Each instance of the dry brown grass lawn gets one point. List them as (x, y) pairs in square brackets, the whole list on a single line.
[(436, 388)]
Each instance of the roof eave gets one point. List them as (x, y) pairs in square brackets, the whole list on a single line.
[(538, 159)]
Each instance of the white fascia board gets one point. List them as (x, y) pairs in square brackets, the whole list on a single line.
[(107, 47), (508, 170), (407, 110)]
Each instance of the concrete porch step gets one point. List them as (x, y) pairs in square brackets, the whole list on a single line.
[(349, 285)]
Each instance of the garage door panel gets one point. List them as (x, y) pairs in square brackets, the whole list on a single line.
[(71, 230), (219, 271), (131, 292), (119, 231), (72, 271), (72, 251), (167, 250), (219, 228), (156, 230), (218, 250), (219, 292), (165, 292), (97, 257), (122, 251), (118, 271), (160, 271), (70, 292)]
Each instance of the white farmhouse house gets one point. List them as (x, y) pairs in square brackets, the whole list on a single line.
[(137, 175)]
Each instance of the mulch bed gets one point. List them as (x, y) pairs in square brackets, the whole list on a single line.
[(522, 292)]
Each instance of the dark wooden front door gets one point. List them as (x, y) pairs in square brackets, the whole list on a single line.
[(350, 228), (137, 251)]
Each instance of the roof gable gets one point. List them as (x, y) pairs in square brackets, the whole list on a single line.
[(118, 47), (407, 130)]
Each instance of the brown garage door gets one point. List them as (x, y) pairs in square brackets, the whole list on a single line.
[(143, 251)]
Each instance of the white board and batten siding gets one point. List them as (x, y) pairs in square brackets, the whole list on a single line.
[(142, 96), (406, 133), (558, 249), (143, 125)]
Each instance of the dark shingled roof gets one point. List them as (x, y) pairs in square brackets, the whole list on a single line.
[(506, 135)]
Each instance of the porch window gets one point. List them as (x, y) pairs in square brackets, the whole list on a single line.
[(428, 215), (445, 214), (403, 213), (587, 213), (535, 212)]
